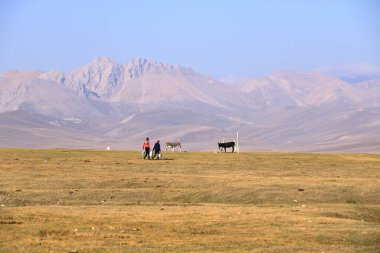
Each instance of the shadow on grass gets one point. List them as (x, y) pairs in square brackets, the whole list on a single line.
[(161, 159)]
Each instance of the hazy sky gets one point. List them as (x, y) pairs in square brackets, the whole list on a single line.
[(242, 38)]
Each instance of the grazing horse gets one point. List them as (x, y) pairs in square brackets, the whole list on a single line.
[(173, 145), (225, 145)]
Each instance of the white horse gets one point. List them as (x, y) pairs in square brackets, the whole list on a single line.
[(173, 145)]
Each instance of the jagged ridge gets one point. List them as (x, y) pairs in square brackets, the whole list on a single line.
[(103, 76)]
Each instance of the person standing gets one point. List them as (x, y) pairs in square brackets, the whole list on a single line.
[(156, 150), (146, 147)]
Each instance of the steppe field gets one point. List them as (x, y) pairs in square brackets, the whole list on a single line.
[(98, 201)]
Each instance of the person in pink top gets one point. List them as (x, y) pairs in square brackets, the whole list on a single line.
[(146, 147)]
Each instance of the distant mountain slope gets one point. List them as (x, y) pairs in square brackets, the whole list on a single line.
[(372, 86), (146, 84), (314, 129), (303, 90), (109, 103), (98, 79), (24, 129), (24, 90)]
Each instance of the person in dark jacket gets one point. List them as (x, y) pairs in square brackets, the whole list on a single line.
[(156, 150)]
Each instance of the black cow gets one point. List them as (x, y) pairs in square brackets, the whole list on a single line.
[(226, 145)]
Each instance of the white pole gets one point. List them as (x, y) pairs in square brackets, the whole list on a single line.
[(237, 142)]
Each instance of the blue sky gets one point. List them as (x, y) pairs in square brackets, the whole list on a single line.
[(242, 38)]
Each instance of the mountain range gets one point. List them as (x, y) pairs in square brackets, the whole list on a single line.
[(108, 103)]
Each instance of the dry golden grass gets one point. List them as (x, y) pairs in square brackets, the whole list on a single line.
[(97, 201)]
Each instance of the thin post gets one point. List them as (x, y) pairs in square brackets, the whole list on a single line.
[(237, 142)]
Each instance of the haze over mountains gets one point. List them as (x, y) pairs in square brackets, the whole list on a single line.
[(109, 103)]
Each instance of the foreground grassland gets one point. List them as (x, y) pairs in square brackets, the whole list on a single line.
[(97, 201)]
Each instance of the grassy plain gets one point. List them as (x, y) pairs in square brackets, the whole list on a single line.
[(97, 201)]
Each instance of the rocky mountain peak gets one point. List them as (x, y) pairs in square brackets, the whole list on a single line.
[(103, 76), (102, 62), (53, 75), (139, 66)]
